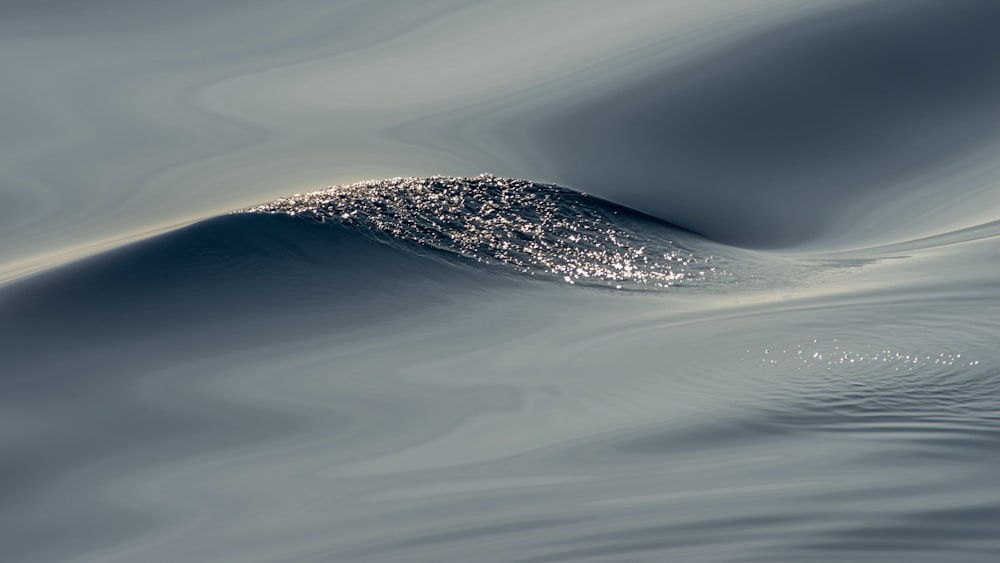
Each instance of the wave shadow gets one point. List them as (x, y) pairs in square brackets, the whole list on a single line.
[(769, 140)]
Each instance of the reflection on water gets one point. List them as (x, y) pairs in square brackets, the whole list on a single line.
[(530, 228), (376, 379)]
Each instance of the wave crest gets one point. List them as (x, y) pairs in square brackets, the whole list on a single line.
[(535, 229)]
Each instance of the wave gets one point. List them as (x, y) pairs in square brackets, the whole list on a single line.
[(539, 230), (372, 251), (376, 250)]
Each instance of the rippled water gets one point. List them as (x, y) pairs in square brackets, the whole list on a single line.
[(769, 332)]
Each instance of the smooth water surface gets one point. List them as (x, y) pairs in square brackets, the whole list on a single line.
[(657, 281)]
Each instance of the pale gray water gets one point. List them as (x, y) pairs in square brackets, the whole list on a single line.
[(401, 372)]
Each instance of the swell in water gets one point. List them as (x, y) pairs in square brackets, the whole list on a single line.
[(408, 239)]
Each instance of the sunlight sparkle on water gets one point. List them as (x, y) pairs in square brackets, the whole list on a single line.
[(529, 227)]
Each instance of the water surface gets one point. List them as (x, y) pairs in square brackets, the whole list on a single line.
[(767, 331)]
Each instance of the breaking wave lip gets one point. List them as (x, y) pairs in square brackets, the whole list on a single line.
[(539, 230)]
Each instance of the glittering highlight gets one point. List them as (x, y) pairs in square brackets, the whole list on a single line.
[(533, 229)]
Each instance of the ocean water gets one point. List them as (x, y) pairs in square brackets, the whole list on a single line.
[(480, 281)]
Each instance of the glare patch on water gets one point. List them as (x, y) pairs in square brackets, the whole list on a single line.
[(534, 229), (832, 355)]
